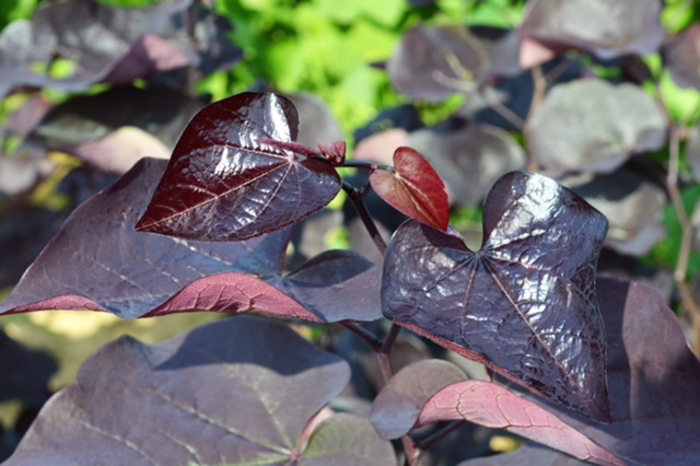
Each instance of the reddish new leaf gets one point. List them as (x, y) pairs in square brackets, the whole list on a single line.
[(524, 304), (224, 184), (414, 188), (493, 406)]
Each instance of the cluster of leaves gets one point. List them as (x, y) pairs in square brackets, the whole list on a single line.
[(577, 83)]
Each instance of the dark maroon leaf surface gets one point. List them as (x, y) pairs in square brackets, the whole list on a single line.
[(413, 188), (653, 376), (607, 28), (682, 57), (597, 126), (98, 261), (493, 406), (209, 397), (470, 159), (395, 410), (337, 285), (433, 63), (524, 304), (222, 184)]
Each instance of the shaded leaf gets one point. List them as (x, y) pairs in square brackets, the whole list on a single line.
[(524, 304), (682, 57), (348, 440), (597, 126), (653, 377), (196, 399), (316, 121), (395, 410), (633, 205), (222, 184), (469, 159), (25, 373), (159, 112), (606, 28), (112, 45), (433, 63), (495, 407), (414, 188), (528, 455), (98, 261)]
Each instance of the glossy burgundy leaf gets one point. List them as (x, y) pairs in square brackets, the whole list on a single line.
[(222, 184), (131, 274), (210, 397), (414, 188), (433, 63), (493, 406), (395, 410), (598, 126), (469, 159), (682, 57), (524, 304), (654, 380), (607, 28), (98, 261)]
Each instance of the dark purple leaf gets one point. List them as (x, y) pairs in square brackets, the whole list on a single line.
[(337, 285), (682, 57), (493, 406), (692, 151), (591, 125), (435, 63), (524, 304), (222, 184), (654, 379), (413, 188), (633, 205), (395, 410), (98, 261), (210, 396), (606, 28), (316, 121), (469, 159), (24, 120)]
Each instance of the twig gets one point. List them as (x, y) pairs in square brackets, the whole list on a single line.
[(356, 197)]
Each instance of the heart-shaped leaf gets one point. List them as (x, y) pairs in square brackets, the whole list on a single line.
[(414, 188), (207, 397), (223, 184), (524, 304), (106, 265)]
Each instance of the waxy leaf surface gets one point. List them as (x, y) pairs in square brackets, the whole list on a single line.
[(222, 184), (654, 379), (208, 397), (414, 188), (97, 261), (524, 304)]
